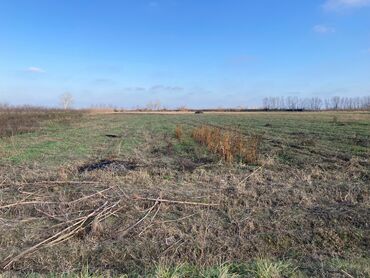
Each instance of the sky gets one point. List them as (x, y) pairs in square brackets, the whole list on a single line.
[(194, 53)]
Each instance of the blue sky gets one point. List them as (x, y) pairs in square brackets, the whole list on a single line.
[(198, 53)]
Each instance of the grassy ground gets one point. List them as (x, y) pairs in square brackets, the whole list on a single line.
[(146, 203)]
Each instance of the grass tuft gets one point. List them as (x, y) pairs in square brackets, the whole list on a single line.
[(268, 269)]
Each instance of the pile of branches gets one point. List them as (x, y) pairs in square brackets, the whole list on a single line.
[(91, 211)]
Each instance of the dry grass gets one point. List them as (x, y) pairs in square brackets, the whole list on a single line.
[(28, 119), (178, 132), (230, 145), (304, 205)]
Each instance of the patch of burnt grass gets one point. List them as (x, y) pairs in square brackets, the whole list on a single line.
[(112, 136), (109, 165)]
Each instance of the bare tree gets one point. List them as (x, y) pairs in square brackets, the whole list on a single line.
[(157, 105), (335, 102), (265, 103), (316, 103), (66, 101), (153, 105), (182, 108)]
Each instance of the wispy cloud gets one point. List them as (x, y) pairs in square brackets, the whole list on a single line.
[(35, 70), (323, 29), (345, 4), (134, 89), (164, 88), (155, 89)]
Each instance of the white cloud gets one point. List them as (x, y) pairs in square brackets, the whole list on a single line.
[(35, 70), (323, 29), (345, 4)]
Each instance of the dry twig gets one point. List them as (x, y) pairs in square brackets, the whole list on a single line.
[(60, 236), (176, 202)]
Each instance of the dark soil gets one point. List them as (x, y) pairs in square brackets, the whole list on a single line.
[(108, 165)]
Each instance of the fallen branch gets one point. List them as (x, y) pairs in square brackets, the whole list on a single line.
[(97, 215), (125, 231), (346, 273), (27, 203), (49, 202), (56, 238), (3, 184), (247, 177), (92, 195), (175, 202)]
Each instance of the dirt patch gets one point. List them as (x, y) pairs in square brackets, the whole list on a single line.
[(109, 165)]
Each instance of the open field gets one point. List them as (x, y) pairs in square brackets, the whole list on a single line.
[(115, 194)]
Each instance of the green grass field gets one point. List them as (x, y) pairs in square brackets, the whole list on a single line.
[(117, 194)]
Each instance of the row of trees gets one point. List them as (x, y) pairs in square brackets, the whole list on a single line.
[(268, 103), (316, 103)]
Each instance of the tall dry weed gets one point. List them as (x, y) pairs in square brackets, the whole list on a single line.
[(230, 145), (178, 132)]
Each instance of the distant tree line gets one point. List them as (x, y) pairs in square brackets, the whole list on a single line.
[(316, 103)]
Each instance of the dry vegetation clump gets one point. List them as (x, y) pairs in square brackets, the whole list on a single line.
[(178, 132), (28, 119), (230, 145)]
